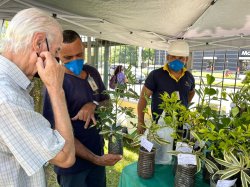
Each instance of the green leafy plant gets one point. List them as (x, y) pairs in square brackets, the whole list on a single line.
[(151, 127), (177, 115), (228, 136), (110, 115), (234, 164)]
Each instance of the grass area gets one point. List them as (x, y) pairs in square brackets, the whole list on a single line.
[(112, 172), (230, 75)]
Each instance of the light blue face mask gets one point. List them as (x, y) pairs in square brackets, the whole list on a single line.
[(75, 66), (176, 65)]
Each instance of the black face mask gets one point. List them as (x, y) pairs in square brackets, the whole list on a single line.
[(47, 44)]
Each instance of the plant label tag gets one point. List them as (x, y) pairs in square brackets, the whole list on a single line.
[(178, 94), (92, 83), (146, 144), (225, 183), (183, 147), (186, 126), (184, 159)]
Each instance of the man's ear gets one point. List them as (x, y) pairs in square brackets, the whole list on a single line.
[(37, 40)]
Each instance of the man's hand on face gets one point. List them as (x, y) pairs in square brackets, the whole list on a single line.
[(50, 72), (108, 159), (86, 114)]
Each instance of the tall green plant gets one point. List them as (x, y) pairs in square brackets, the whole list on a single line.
[(151, 127), (110, 114)]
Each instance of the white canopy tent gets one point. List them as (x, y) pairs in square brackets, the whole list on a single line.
[(205, 24)]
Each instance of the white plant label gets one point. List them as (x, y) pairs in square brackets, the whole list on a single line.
[(146, 144), (184, 159), (225, 183), (183, 147)]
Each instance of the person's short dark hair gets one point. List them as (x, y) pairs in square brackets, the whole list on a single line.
[(70, 36)]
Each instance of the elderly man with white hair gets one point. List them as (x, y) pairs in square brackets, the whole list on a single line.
[(27, 142)]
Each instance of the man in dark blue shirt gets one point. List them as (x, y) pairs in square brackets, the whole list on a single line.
[(173, 77), (83, 88)]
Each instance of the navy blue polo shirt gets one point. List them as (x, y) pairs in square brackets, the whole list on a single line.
[(160, 81), (78, 92)]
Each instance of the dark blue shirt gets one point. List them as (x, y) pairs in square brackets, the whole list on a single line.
[(159, 81), (78, 92)]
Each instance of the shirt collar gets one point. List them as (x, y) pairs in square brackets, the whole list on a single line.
[(165, 68), (16, 74)]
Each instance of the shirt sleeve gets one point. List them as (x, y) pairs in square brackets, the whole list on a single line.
[(29, 137), (192, 81), (150, 82)]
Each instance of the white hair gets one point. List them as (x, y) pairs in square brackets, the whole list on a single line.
[(24, 25)]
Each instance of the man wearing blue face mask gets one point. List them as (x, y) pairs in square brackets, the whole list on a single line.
[(172, 77), (83, 88)]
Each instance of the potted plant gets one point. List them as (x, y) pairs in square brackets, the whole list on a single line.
[(238, 137), (234, 164), (198, 119), (177, 116), (113, 115), (228, 136), (148, 142)]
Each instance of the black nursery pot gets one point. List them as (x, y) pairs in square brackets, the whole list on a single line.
[(115, 146), (146, 163), (184, 176)]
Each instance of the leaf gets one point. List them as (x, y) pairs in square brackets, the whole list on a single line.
[(229, 173), (161, 140), (104, 132), (174, 152), (210, 169), (198, 164), (234, 159), (235, 111), (210, 91), (210, 164), (210, 79), (223, 162), (245, 179)]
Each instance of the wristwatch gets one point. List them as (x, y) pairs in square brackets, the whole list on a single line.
[(95, 102)]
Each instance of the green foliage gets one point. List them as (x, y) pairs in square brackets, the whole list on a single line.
[(176, 115), (234, 164), (228, 136), (223, 134), (129, 55), (241, 98), (151, 127), (110, 113)]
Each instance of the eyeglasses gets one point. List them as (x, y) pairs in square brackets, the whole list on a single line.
[(46, 40)]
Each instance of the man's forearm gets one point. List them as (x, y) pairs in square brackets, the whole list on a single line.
[(190, 96), (63, 126), (83, 152)]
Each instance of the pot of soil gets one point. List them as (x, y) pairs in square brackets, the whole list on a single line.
[(184, 176), (146, 163), (115, 145)]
